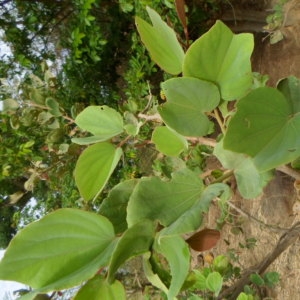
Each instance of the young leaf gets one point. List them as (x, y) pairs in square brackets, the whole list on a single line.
[(168, 141), (94, 167), (187, 101), (53, 107), (114, 206), (136, 240), (164, 201), (222, 57), (61, 250), (204, 240), (214, 282), (102, 121), (257, 279), (99, 288), (270, 118), (250, 181), (161, 41), (176, 251)]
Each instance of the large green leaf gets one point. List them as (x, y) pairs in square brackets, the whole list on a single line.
[(59, 251), (94, 167), (136, 240), (99, 288), (177, 253), (192, 218), (249, 180), (161, 42), (187, 101), (168, 141), (114, 207), (102, 121), (165, 201), (266, 126), (222, 57)]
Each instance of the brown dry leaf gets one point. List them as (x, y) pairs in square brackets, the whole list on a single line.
[(204, 240)]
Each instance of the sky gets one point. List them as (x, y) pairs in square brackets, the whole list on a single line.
[(7, 287)]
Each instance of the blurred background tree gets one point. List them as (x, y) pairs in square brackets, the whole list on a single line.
[(65, 55)]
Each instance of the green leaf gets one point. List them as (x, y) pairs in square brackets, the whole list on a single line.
[(53, 107), (152, 277), (114, 206), (265, 126), (222, 57), (187, 101), (94, 167), (99, 288), (243, 296), (136, 240), (177, 253), (168, 141), (164, 201), (214, 282), (102, 121), (191, 219), (9, 105), (161, 41), (200, 281), (249, 180), (59, 251), (257, 279), (271, 279)]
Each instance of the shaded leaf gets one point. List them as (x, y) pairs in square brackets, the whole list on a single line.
[(94, 167), (59, 251), (187, 101), (164, 201), (168, 141), (161, 42), (192, 218), (136, 240), (222, 57), (204, 240), (177, 253), (115, 205)]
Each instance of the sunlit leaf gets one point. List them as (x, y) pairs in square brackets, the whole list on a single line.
[(265, 126), (102, 121), (94, 167), (165, 201), (161, 42), (99, 288), (222, 57), (250, 181), (187, 101), (214, 282), (59, 251), (168, 141)]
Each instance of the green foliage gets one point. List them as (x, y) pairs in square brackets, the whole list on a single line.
[(161, 42), (143, 216)]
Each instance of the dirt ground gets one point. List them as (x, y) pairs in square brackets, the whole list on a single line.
[(265, 219)]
